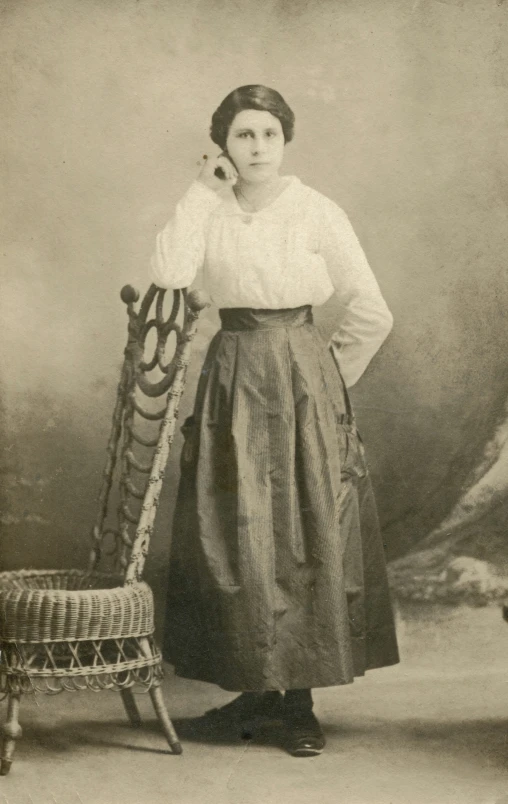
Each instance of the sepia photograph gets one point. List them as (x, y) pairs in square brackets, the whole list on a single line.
[(254, 402)]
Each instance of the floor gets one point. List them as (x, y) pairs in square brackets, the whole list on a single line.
[(433, 730)]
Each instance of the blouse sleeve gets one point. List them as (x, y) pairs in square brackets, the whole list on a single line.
[(180, 246), (367, 320)]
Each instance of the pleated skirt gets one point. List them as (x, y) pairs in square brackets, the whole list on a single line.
[(277, 576)]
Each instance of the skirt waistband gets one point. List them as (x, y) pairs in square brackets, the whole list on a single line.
[(244, 318)]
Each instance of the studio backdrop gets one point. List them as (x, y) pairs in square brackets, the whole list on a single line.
[(401, 114)]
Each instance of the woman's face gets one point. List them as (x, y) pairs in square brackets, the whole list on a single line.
[(255, 144)]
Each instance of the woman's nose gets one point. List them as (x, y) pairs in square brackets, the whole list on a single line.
[(257, 146)]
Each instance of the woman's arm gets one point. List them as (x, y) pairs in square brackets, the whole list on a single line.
[(367, 320), (180, 247)]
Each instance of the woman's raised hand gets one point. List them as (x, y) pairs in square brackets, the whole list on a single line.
[(228, 174)]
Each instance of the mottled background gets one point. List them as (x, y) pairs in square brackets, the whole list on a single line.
[(401, 110)]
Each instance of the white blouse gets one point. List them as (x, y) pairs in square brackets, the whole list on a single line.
[(298, 250)]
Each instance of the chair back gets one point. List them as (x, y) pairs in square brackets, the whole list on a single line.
[(143, 426)]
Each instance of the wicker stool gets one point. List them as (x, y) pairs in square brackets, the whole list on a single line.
[(86, 629)]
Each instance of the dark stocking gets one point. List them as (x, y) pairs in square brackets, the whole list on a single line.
[(298, 701)]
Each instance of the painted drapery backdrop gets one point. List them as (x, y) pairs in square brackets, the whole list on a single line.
[(401, 110)]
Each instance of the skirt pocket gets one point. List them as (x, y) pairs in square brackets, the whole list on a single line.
[(352, 452), (353, 461)]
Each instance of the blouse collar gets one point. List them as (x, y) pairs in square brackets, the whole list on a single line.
[(230, 205)]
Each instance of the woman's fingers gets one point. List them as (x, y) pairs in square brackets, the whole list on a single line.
[(217, 171), (225, 160), (227, 167)]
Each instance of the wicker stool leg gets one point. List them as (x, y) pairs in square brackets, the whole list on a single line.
[(160, 707), (131, 707), (11, 731)]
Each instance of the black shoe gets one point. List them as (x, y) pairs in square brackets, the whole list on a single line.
[(249, 709), (305, 737)]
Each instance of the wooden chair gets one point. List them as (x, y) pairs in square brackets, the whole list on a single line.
[(94, 628)]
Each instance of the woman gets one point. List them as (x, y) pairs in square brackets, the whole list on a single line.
[(277, 573)]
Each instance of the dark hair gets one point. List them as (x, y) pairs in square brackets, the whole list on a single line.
[(252, 96)]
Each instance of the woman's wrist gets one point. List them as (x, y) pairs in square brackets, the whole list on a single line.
[(210, 185)]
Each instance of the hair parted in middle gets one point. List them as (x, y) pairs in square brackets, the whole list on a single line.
[(251, 96)]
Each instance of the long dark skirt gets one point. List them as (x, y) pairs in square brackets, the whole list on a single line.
[(277, 573)]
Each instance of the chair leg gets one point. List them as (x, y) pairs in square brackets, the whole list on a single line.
[(160, 708), (164, 720), (11, 731), (131, 707)]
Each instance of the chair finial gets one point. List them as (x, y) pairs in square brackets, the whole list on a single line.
[(197, 300), (129, 295)]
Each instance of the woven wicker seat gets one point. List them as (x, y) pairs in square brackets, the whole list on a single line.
[(77, 629)]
